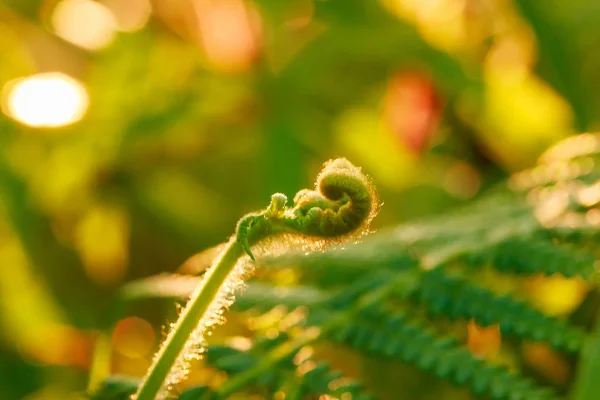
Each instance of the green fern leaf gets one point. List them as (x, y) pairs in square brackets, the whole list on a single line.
[(119, 387), (387, 333), (457, 297), (322, 380), (534, 255)]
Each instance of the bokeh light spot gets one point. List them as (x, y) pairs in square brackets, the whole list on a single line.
[(240, 343), (412, 110), (45, 100), (133, 337), (105, 260), (462, 180), (85, 23), (557, 295), (130, 15), (63, 345), (229, 31)]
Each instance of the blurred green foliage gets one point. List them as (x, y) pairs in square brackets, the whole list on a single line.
[(190, 126)]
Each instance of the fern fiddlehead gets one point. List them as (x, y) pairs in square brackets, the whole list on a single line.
[(342, 203)]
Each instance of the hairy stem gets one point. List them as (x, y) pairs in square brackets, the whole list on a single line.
[(342, 203), (187, 322)]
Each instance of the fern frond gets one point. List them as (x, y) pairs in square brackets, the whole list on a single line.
[(432, 242), (228, 359), (116, 387), (264, 296), (457, 297), (534, 255), (119, 387), (321, 321), (340, 266), (221, 357), (321, 380), (259, 295), (234, 362), (387, 333)]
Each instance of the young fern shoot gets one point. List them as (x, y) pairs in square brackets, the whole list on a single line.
[(342, 205)]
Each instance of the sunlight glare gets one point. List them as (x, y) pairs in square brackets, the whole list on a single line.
[(45, 100)]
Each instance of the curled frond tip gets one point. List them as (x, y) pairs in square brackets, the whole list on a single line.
[(343, 202)]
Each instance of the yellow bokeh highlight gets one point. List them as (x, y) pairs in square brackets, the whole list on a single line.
[(522, 114), (34, 322), (47, 100), (440, 22), (280, 395), (363, 134), (133, 337), (240, 343), (525, 108), (102, 241), (85, 23), (29, 321), (59, 177), (285, 277), (483, 342), (557, 295), (62, 345)]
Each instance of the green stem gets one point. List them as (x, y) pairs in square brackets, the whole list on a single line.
[(101, 359), (187, 322), (343, 201)]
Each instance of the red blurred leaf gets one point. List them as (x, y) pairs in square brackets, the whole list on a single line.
[(412, 109)]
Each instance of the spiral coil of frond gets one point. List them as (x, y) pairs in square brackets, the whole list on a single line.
[(353, 295)]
